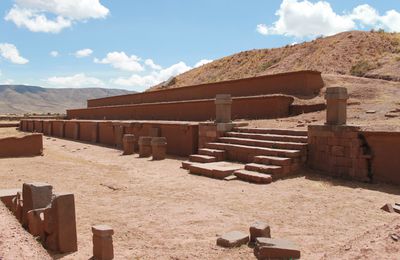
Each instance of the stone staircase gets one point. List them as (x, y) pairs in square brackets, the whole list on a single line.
[(260, 155)]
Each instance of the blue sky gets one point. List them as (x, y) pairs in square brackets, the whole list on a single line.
[(136, 44)]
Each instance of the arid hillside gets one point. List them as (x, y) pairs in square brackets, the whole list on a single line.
[(21, 99), (356, 53)]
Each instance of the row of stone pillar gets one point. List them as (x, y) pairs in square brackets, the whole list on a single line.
[(147, 146)]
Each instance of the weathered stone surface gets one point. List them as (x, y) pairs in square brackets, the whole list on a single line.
[(35, 196), (7, 196), (388, 208), (268, 248), (63, 211), (128, 144), (35, 222), (223, 108), (159, 148), (396, 208), (145, 146), (259, 229), (233, 239), (102, 242), (336, 111)]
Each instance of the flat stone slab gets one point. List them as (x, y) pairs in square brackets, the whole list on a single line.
[(218, 170), (233, 239), (267, 248)]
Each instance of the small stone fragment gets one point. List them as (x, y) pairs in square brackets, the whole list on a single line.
[(230, 178), (388, 208), (233, 239)]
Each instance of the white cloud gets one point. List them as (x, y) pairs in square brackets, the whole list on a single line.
[(83, 53), (120, 60), (7, 82), (156, 77), (33, 14), (152, 65), (202, 62), (75, 81), (11, 53), (54, 54), (306, 19)]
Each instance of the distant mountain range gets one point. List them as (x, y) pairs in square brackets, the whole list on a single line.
[(20, 99)]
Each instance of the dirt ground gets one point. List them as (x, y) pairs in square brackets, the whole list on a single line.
[(159, 211)]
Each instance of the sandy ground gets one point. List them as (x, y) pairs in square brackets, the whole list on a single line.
[(15, 242), (159, 211)]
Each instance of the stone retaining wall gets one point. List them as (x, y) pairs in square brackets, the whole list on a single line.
[(29, 145)]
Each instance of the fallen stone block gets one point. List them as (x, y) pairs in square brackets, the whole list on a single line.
[(396, 208), (259, 229), (388, 208), (102, 242), (233, 239), (269, 248)]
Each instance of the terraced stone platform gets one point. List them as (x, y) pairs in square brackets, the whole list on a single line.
[(264, 155)]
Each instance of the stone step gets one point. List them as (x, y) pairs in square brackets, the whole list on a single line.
[(218, 170), (202, 158), (246, 154), (219, 154), (275, 131), (263, 143), (254, 177), (186, 164), (276, 171), (269, 137), (273, 160)]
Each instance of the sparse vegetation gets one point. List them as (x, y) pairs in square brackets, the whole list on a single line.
[(361, 68)]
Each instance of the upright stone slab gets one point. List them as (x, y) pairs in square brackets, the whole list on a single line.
[(63, 211), (145, 146), (129, 144), (95, 133), (159, 148), (259, 229), (102, 242), (118, 135), (223, 108), (76, 131), (35, 196), (336, 109)]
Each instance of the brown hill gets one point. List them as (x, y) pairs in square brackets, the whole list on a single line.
[(19, 99), (357, 53)]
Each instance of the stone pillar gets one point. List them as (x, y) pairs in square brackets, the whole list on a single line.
[(95, 133), (336, 109), (64, 221), (118, 135), (76, 131), (49, 131), (129, 144), (145, 146), (102, 242), (159, 148), (223, 108)]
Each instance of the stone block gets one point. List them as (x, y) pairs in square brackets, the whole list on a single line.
[(145, 146), (128, 144), (118, 135), (159, 148), (268, 248), (233, 239), (154, 132), (63, 216), (35, 222), (102, 242), (338, 150), (336, 109), (35, 196), (396, 208), (259, 229)]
